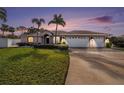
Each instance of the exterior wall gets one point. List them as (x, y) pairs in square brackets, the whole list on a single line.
[(24, 39), (9, 42), (41, 39), (57, 40), (5, 42), (15, 41)]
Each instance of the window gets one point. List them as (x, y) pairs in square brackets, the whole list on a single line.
[(30, 39)]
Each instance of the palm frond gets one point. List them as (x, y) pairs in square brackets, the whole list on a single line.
[(60, 15), (52, 22), (4, 27), (34, 20), (2, 9), (11, 29), (3, 15), (42, 20), (55, 16)]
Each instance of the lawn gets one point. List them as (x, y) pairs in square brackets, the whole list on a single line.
[(33, 66)]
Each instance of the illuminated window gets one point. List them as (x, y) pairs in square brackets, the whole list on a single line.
[(30, 39)]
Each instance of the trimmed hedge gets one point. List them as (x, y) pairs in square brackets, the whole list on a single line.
[(59, 46), (25, 44), (51, 47)]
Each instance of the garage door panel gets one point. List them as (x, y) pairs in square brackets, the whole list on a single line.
[(99, 42), (76, 42)]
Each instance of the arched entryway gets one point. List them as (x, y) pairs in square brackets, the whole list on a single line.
[(46, 39)]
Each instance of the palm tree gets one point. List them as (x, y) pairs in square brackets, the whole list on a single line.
[(32, 30), (4, 28), (3, 15), (21, 28), (57, 20), (12, 30), (38, 22)]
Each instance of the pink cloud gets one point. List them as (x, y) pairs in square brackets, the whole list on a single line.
[(102, 20), (70, 24)]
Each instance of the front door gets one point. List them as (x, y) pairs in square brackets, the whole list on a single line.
[(47, 40)]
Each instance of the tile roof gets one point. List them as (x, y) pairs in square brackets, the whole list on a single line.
[(75, 32)]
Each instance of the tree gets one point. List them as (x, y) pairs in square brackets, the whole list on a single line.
[(3, 14), (12, 30), (57, 20), (32, 30), (38, 22), (118, 41), (21, 28), (4, 28)]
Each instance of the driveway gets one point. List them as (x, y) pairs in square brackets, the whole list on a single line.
[(95, 66)]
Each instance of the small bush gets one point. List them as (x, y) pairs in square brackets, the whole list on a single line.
[(63, 43), (62, 47), (108, 45)]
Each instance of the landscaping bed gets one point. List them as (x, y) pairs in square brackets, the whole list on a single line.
[(33, 66), (57, 46)]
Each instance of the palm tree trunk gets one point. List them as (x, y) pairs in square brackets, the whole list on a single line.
[(3, 33), (37, 37), (37, 33), (56, 32)]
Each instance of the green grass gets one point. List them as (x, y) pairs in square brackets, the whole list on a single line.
[(33, 66)]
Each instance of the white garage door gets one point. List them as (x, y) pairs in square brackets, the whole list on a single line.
[(97, 42), (78, 41)]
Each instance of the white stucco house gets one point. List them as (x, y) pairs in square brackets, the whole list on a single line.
[(72, 38)]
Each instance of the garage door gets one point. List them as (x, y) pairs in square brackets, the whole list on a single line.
[(78, 41), (97, 42)]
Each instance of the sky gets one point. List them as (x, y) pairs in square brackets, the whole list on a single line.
[(106, 20)]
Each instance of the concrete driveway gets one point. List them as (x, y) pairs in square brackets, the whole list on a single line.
[(95, 66)]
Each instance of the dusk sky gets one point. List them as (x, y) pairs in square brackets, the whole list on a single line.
[(107, 20)]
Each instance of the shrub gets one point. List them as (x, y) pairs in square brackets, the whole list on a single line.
[(108, 45), (63, 43), (44, 46), (24, 44), (118, 41), (21, 44), (61, 47), (119, 44)]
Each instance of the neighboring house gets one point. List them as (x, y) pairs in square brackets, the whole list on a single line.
[(72, 38)]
